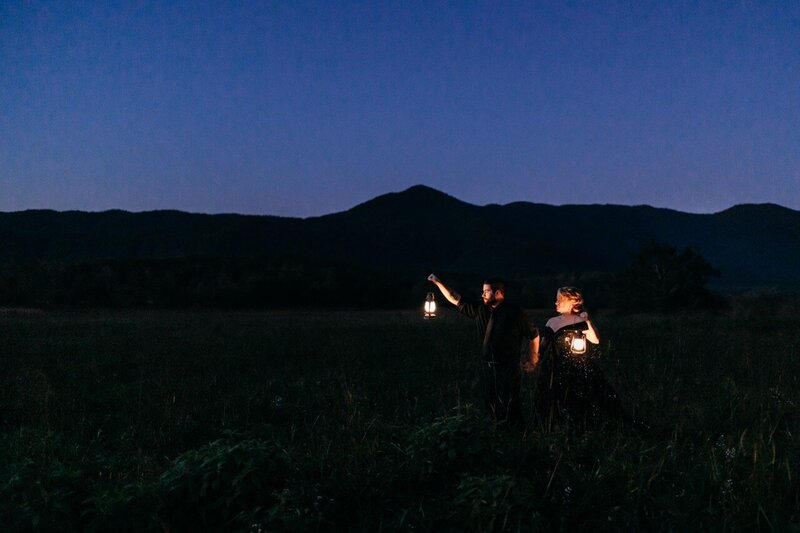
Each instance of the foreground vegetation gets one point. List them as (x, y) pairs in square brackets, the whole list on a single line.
[(269, 421)]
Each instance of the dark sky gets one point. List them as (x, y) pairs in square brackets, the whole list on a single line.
[(304, 108)]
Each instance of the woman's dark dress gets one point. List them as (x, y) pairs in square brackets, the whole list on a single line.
[(571, 387)]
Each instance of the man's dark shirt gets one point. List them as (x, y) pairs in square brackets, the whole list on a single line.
[(509, 327)]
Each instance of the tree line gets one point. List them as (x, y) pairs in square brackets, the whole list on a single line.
[(660, 277)]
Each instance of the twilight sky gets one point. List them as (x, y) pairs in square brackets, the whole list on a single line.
[(304, 108)]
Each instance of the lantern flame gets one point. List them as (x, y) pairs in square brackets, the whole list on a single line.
[(430, 306), (578, 344)]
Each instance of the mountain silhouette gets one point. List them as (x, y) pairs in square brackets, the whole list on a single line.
[(407, 234)]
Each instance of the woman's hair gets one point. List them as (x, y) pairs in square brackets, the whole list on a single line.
[(574, 295)]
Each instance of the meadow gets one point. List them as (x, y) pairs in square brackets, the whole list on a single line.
[(372, 421)]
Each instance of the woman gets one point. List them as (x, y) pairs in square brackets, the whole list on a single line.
[(570, 384)]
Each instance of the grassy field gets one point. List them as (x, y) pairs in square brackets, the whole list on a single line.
[(263, 421)]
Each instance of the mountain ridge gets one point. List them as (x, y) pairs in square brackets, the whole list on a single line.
[(415, 191), (421, 229)]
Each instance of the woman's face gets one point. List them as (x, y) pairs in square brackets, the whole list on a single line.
[(564, 305)]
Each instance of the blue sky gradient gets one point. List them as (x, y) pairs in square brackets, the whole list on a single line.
[(306, 108)]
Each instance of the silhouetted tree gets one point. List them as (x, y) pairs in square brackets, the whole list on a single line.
[(663, 278)]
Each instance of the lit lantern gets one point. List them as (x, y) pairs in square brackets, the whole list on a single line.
[(430, 306), (578, 343)]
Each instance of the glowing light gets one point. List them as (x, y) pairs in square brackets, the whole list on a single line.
[(430, 306), (578, 344)]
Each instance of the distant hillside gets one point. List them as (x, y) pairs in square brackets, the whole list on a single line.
[(403, 236)]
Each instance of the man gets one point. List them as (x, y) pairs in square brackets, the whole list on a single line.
[(501, 327)]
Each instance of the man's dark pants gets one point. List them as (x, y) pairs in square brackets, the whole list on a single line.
[(501, 385)]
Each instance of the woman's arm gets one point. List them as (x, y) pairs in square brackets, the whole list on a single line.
[(591, 333)]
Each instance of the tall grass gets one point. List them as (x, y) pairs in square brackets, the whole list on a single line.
[(193, 420)]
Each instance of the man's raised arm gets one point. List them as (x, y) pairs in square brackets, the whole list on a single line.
[(452, 296)]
